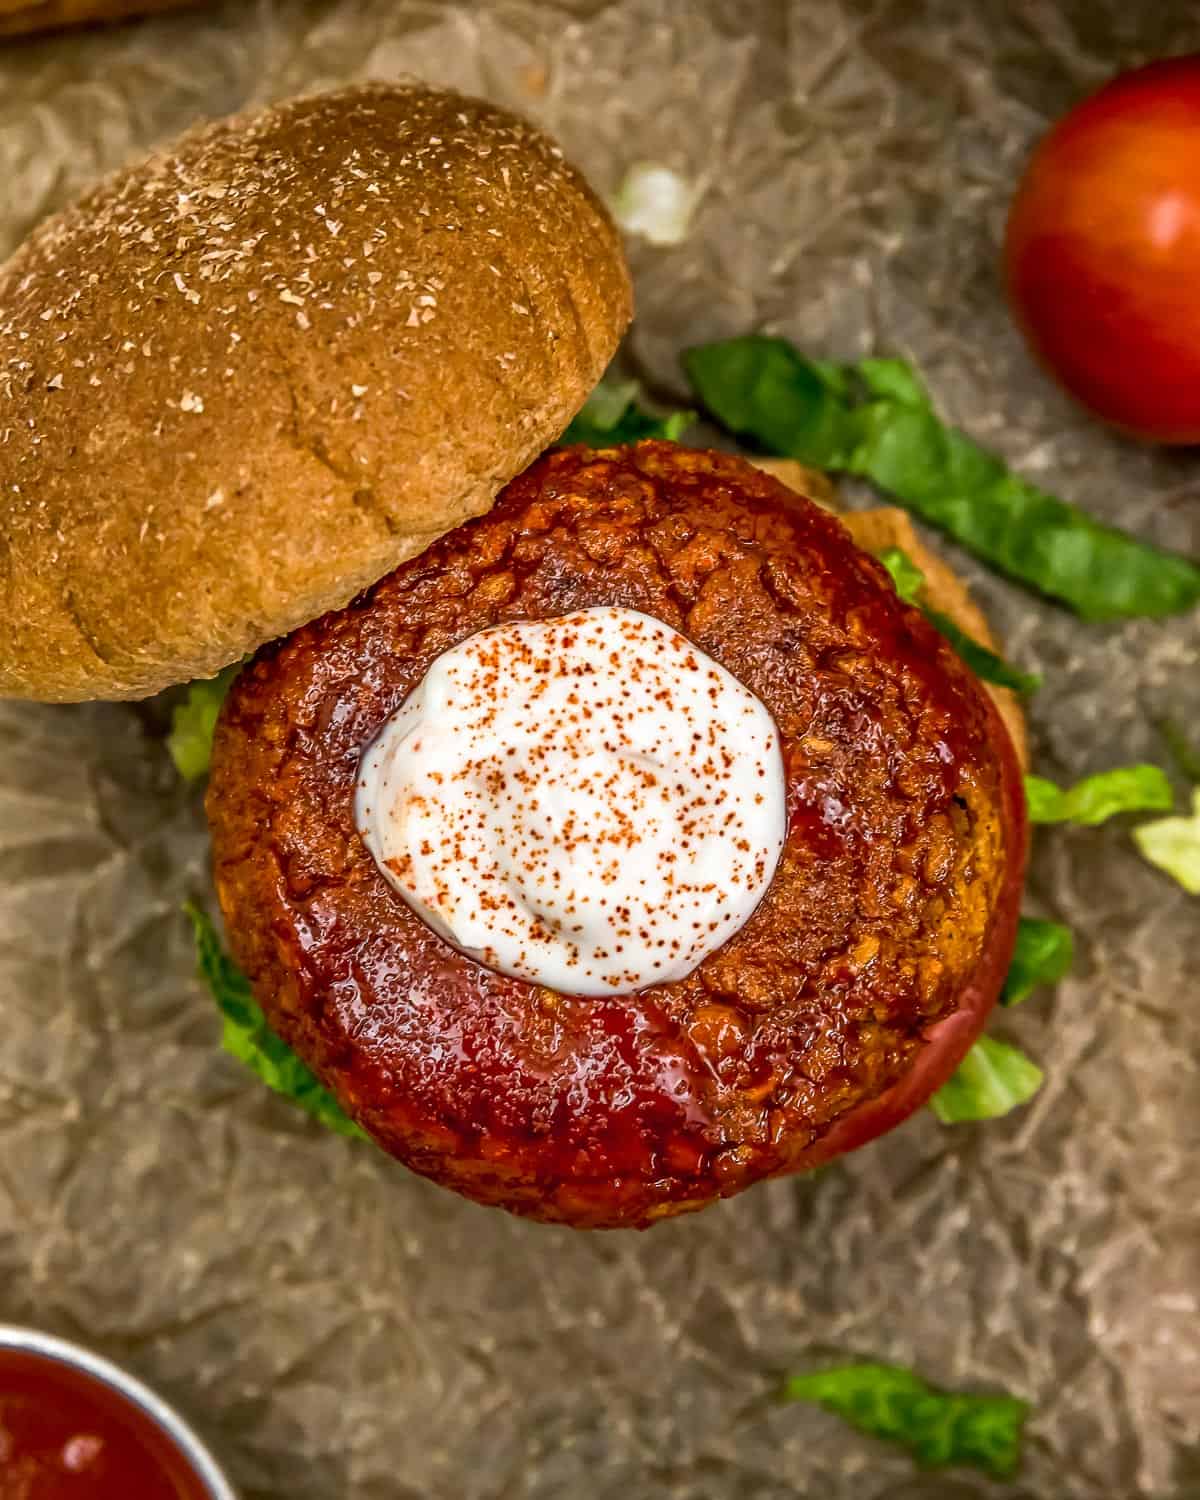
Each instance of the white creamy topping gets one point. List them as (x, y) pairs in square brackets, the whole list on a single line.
[(590, 803)]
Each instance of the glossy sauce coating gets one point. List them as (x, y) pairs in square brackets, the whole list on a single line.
[(901, 843), (65, 1436)]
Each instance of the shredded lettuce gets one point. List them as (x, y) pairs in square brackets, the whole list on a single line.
[(986, 665), (613, 414), (875, 419), (991, 1080), (939, 1428), (193, 722), (1044, 952), (1139, 788), (246, 1035), (905, 574), (1173, 845), (655, 202)]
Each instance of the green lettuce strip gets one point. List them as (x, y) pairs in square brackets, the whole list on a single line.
[(1043, 954), (613, 414), (1140, 788), (246, 1035), (939, 1428), (193, 722), (874, 419), (908, 579), (1173, 846), (992, 1080)]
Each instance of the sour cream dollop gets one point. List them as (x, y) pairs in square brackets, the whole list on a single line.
[(590, 803)]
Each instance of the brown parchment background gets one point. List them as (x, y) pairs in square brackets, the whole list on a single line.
[(336, 1327)]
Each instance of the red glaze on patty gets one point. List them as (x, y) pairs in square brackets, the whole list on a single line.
[(852, 992)]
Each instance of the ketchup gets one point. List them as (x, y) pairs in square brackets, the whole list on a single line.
[(64, 1435)]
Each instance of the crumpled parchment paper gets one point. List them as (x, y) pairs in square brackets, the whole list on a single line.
[(333, 1325)]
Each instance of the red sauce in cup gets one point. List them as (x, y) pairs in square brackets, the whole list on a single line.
[(64, 1435)]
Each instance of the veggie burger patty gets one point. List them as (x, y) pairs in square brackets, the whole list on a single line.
[(870, 947)]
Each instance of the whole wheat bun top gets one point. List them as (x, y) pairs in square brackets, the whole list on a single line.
[(245, 378)]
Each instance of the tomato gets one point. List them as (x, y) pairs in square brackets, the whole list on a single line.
[(1102, 255)]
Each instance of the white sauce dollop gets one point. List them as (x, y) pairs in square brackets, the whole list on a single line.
[(590, 803)]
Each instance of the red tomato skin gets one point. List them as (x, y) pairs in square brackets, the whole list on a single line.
[(1102, 252)]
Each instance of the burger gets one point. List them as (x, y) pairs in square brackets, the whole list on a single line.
[(598, 825)]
